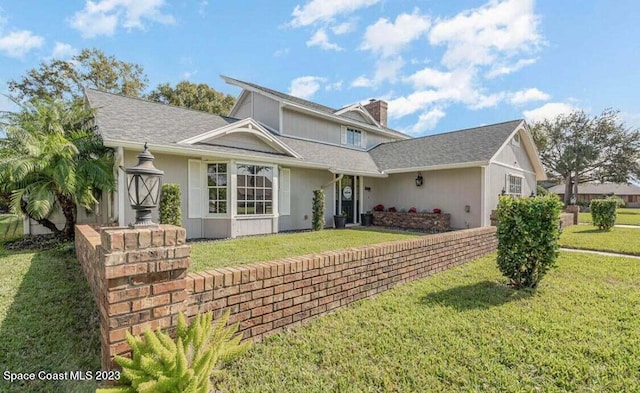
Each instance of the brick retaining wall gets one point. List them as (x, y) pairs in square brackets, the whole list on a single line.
[(139, 279), (425, 221)]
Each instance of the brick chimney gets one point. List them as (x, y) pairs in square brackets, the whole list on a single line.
[(378, 110)]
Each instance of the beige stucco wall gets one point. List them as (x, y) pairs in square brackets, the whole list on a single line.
[(449, 190), (303, 182)]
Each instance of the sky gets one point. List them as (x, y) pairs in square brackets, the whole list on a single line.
[(441, 65)]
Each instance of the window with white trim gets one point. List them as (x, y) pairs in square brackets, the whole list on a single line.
[(217, 185), (352, 136), (514, 184), (254, 189)]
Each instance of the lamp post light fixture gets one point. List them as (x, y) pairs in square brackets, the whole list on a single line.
[(419, 180), (504, 192), (143, 185)]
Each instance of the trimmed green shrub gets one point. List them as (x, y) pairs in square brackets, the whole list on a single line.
[(619, 201), (170, 212), (528, 232), (603, 213), (317, 222), (187, 364)]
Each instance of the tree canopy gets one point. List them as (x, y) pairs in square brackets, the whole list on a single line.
[(577, 148), (64, 79), (194, 96), (52, 157)]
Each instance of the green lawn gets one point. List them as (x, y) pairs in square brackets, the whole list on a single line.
[(625, 216), (10, 226), (241, 251), (465, 331), (48, 320), (623, 240)]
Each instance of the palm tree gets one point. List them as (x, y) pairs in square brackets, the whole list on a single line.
[(53, 158)]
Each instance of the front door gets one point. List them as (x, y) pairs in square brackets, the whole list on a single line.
[(347, 198)]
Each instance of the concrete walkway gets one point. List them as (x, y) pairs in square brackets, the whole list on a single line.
[(616, 225), (607, 254)]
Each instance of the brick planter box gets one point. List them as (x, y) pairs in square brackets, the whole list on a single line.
[(423, 221)]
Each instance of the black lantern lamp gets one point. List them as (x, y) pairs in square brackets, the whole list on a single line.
[(419, 180), (504, 192), (533, 194), (144, 187)]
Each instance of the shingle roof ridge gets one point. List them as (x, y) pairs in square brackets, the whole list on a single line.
[(144, 100), (270, 90)]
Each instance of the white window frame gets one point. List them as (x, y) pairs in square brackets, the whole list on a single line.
[(206, 188), (345, 137), (274, 190), (508, 184)]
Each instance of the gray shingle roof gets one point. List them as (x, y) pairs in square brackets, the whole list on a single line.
[(286, 97), (136, 120), (601, 189), (335, 156), (456, 147), (308, 104), (127, 119)]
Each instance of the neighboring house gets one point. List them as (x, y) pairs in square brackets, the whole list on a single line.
[(629, 193), (254, 171)]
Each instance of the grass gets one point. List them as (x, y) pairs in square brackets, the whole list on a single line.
[(621, 240), (10, 226), (625, 216), (48, 320), (464, 330), (241, 251)]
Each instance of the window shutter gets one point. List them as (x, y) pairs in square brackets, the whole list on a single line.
[(363, 140), (344, 136), (285, 191), (195, 189)]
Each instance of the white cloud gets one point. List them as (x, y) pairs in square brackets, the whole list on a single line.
[(19, 43), (481, 36), (63, 51), (386, 70), (281, 52), (498, 70), (548, 111), (362, 81), (344, 28), (102, 17), (325, 10), (427, 121), (321, 39), (188, 75), (386, 38), (305, 86), (528, 95), (335, 86)]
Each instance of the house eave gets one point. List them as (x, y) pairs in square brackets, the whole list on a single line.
[(206, 154), (461, 165)]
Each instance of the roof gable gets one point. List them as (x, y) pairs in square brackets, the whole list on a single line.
[(256, 137), (314, 108), (474, 146), (357, 112)]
